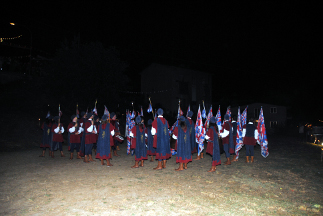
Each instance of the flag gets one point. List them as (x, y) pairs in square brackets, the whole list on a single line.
[(218, 119), (106, 111), (188, 109), (77, 113), (203, 112), (244, 117), (199, 132), (262, 136), (48, 115), (180, 112), (239, 143), (141, 111), (207, 122), (60, 113), (150, 109), (228, 112), (95, 111)]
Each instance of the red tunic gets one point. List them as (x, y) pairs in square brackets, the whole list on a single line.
[(226, 126), (90, 138), (57, 137), (134, 132), (74, 138)]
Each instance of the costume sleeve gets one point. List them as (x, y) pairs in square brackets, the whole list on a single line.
[(256, 134), (226, 128), (71, 129), (56, 130), (175, 133)]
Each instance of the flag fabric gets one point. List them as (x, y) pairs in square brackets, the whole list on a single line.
[(203, 112), (106, 111), (150, 108), (199, 131), (262, 136), (218, 119), (77, 113), (188, 109), (228, 112), (207, 122), (239, 142), (60, 113), (48, 114), (180, 112), (244, 117), (95, 111), (141, 111), (130, 124)]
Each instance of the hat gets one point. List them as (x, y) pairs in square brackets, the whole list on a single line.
[(213, 119), (73, 116), (226, 117), (150, 122), (160, 111), (89, 115), (112, 115), (138, 119), (104, 117), (190, 114), (181, 118)]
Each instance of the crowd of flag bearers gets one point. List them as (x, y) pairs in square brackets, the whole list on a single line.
[(102, 135)]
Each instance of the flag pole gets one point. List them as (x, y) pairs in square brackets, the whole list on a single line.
[(152, 110)]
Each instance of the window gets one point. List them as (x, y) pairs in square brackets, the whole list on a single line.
[(273, 124), (273, 110)]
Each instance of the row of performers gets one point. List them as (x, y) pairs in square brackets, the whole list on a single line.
[(155, 140), (82, 135)]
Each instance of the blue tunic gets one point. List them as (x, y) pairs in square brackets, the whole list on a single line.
[(191, 128), (184, 154), (150, 142), (103, 144), (140, 150), (163, 145)]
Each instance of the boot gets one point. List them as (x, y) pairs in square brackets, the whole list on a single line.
[(247, 159), (234, 158), (115, 153), (159, 166), (251, 159), (212, 169), (118, 149), (86, 160), (91, 159), (164, 164), (198, 157), (43, 154), (228, 162), (102, 162), (62, 154), (201, 155), (108, 163), (53, 154), (142, 163), (50, 153), (185, 165), (152, 158), (71, 157), (180, 168), (136, 165), (78, 155)]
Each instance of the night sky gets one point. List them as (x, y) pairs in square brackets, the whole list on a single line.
[(265, 49)]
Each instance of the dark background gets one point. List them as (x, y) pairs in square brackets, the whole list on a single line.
[(263, 51)]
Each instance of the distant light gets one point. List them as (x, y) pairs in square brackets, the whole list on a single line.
[(12, 23)]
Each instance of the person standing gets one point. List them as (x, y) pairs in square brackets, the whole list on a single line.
[(249, 137), (234, 135), (227, 139), (150, 139), (191, 127), (115, 124), (161, 142), (82, 135), (183, 144), (105, 141), (213, 148), (90, 137), (74, 137), (138, 142), (57, 141), (47, 135)]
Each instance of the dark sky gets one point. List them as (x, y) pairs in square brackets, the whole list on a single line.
[(272, 44)]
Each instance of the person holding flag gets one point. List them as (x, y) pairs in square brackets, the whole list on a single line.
[(227, 138), (90, 137), (161, 139), (74, 137), (138, 142), (150, 139), (183, 145), (191, 127), (105, 141), (199, 135), (47, 135), (213, 148), (250, 136), (57, 141)]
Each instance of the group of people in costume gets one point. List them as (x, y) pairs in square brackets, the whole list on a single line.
[(103, 135)]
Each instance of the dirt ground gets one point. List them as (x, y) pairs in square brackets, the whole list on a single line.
[(287, 182)]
